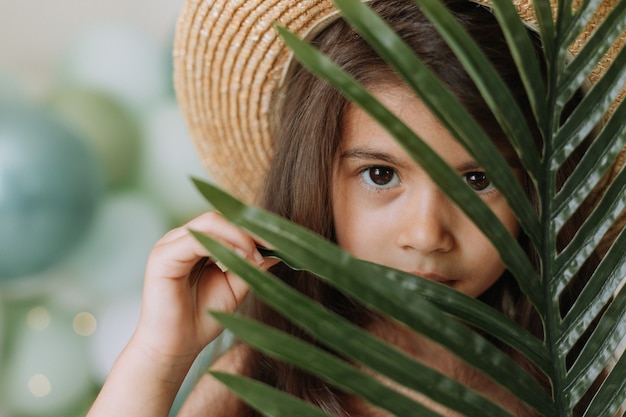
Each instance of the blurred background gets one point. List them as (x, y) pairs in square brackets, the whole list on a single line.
[(95, 161)]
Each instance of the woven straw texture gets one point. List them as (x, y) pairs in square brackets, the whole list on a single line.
[(228, 63)]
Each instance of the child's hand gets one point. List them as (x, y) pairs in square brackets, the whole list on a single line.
[(174, 324)]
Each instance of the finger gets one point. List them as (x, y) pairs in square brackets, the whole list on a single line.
[(232, 288), (216, 226), (238, 287), (197, 270), (200, 267), (174, 259), (178, 254), (173, 234)]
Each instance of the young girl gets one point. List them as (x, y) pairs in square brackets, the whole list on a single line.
[(335, 171)]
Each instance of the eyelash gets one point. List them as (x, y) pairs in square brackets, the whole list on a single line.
[(366, 178), (488, 189)]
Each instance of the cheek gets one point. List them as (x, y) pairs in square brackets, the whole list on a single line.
[(343, 216), (482, 266), (485, 261), (509, 221), (349, 230), (358, 229)]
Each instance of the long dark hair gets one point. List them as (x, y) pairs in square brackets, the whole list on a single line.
[(298, 184)]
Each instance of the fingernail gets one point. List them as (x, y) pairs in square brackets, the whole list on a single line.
[(258, 258), (221, 266)]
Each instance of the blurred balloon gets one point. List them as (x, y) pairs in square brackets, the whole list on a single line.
[(116, 324), (11, 90), (2, 336), (169, 160), (47, 368), (112, 258), (50, 184), (40, 284), (120, 60), (106, 124)]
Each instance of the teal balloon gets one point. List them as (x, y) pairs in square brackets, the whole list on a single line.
[(11, 91), (50, 185)]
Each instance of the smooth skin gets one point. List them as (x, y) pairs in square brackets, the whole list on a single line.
[(386, 209)]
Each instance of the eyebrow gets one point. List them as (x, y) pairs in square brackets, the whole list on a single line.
[(369, 154), (365, 153)]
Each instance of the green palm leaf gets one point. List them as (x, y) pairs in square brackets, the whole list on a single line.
[(576, 73), (359, 344), (436, 311), (596, 162), (273, 402), (349, 378), (329, 262), (406, 305)]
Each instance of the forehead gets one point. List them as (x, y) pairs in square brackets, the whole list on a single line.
[(399, 99), (361, 135), (404, 103)]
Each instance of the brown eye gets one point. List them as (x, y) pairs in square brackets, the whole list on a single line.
[(380, 177), (478, 181)]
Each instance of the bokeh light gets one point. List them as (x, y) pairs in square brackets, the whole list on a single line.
[(38, 318), (47, 364), (85, 324), (39, 385)]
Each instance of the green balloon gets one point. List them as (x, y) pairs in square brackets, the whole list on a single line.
[(50, 184), (106, 125)]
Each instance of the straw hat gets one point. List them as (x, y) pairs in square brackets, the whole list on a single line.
[(228, 62)]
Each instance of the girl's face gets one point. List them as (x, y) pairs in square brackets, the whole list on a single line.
[(387, 209)]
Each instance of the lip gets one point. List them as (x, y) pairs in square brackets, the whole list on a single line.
[(435, 277)]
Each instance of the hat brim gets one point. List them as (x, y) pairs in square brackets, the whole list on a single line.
[(229, 61)]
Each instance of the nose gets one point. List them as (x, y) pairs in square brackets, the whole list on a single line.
[(427, 217)]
